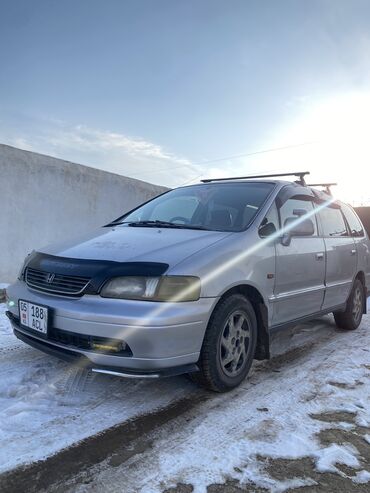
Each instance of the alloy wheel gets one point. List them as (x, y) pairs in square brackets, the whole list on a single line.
[(357, 305), (234, 344)]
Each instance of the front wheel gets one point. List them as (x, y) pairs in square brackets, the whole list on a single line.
[(229, 345), (351, 318)]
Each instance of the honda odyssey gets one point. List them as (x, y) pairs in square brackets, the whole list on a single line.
[(196, 280)]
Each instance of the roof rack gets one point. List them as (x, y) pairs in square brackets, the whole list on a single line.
[(299, 174), (324, 185)]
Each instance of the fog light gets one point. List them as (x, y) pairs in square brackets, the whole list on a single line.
[(109, 346)]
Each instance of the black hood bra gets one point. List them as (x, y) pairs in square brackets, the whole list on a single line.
[(97, 271)]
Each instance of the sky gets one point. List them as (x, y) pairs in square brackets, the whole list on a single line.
[(172, 91)]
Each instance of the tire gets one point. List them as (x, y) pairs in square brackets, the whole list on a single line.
[(351, 318), (231, 333)]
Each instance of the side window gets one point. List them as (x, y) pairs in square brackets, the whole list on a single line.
[(270, 223), (292, 209), (333, 223), (354, 223)]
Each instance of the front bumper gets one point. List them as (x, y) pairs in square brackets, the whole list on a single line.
[(161, 336), (83, 362)]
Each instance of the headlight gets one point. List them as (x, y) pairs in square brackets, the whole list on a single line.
[(131, 288), (166, 288)]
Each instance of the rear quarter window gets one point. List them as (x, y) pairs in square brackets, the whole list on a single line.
[(353, 221), (333, 223)]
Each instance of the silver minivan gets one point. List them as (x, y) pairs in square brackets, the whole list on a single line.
[(195, 280)]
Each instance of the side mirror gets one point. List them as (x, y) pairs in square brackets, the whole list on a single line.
[(302, 228), (266, 229)]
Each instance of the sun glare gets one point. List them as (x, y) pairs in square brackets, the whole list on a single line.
[(336, 137)]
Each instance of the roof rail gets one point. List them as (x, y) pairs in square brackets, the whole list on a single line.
[(324, 185), (299, 174)]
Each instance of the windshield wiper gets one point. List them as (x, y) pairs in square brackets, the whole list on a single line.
[(144, 223), (109, 225), (163, 224)]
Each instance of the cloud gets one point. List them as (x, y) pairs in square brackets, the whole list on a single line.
[(83, 137), (110, 151), (327, 137), (114, 152)]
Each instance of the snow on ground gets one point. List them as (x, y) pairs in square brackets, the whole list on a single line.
[(275, 414), (46, 404)]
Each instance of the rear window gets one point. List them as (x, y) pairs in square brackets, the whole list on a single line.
[(354, 223)]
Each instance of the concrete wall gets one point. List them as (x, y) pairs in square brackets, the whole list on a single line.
[(44, 199)]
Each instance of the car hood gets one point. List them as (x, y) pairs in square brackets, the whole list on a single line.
[(136, 244)]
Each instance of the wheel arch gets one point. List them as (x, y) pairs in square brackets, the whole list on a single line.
[(361, 276), (256, 299)]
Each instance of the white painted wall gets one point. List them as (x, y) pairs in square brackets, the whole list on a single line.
[(44, 199)]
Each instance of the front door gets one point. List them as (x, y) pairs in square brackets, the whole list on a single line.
[(300, 269)]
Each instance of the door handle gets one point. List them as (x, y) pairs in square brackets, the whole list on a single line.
[(353, 252), (319, 256)]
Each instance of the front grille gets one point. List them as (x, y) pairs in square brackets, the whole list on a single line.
[(55, 283)]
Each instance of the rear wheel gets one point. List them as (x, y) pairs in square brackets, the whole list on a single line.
[(229, 345), (351, 318)]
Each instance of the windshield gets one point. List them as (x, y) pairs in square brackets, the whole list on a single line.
[(217, 207)]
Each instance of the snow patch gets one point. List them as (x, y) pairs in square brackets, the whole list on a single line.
[(362, 477), (47, 404), (281, 486), (5, 329), (336, 454)]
